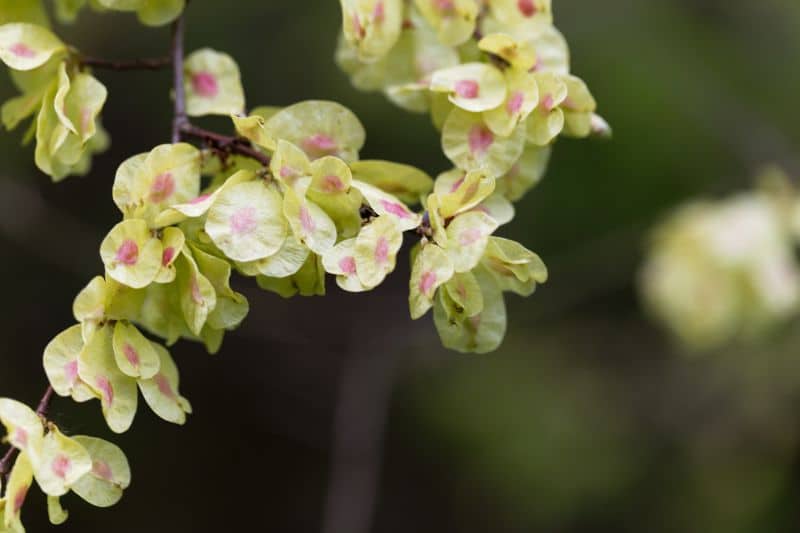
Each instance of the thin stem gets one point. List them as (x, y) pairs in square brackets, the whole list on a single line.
[(44, 403), (156, 63), (5, 462), (10, 456), (179, 115), (224, 143)]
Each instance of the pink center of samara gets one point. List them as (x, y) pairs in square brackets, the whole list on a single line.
[(288, 172), (306, 221), (320, 144), (427, 282), (164, 387), (61, 466), (348, 265), (470, 236), (243, 222), (205, 84), (71, 372), (128, 253), (515, 102), (526, 7), (480, 139), (106, 388), (102, 470), (167, 256), (445, 6), (393, 208), (467, 89), (22, 50), (20, 438), (332, 184), (131, 355), (548, 103), (86, 119), (162, 188), (378, 13), (197, 295), (382, 250)]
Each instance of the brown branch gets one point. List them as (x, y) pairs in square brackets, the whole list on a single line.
[(5, 462), (156, 63), (10, 456), (44, 403), (226, 144)]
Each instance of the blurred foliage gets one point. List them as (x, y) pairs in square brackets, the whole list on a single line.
[(725, 271)]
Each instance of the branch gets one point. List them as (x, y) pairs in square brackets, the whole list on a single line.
[(5, 462), (156, 63), (179, 116), (44, 403), (8, 458), (226, 144)]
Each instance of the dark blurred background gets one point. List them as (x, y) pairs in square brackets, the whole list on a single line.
[(590, 418)]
